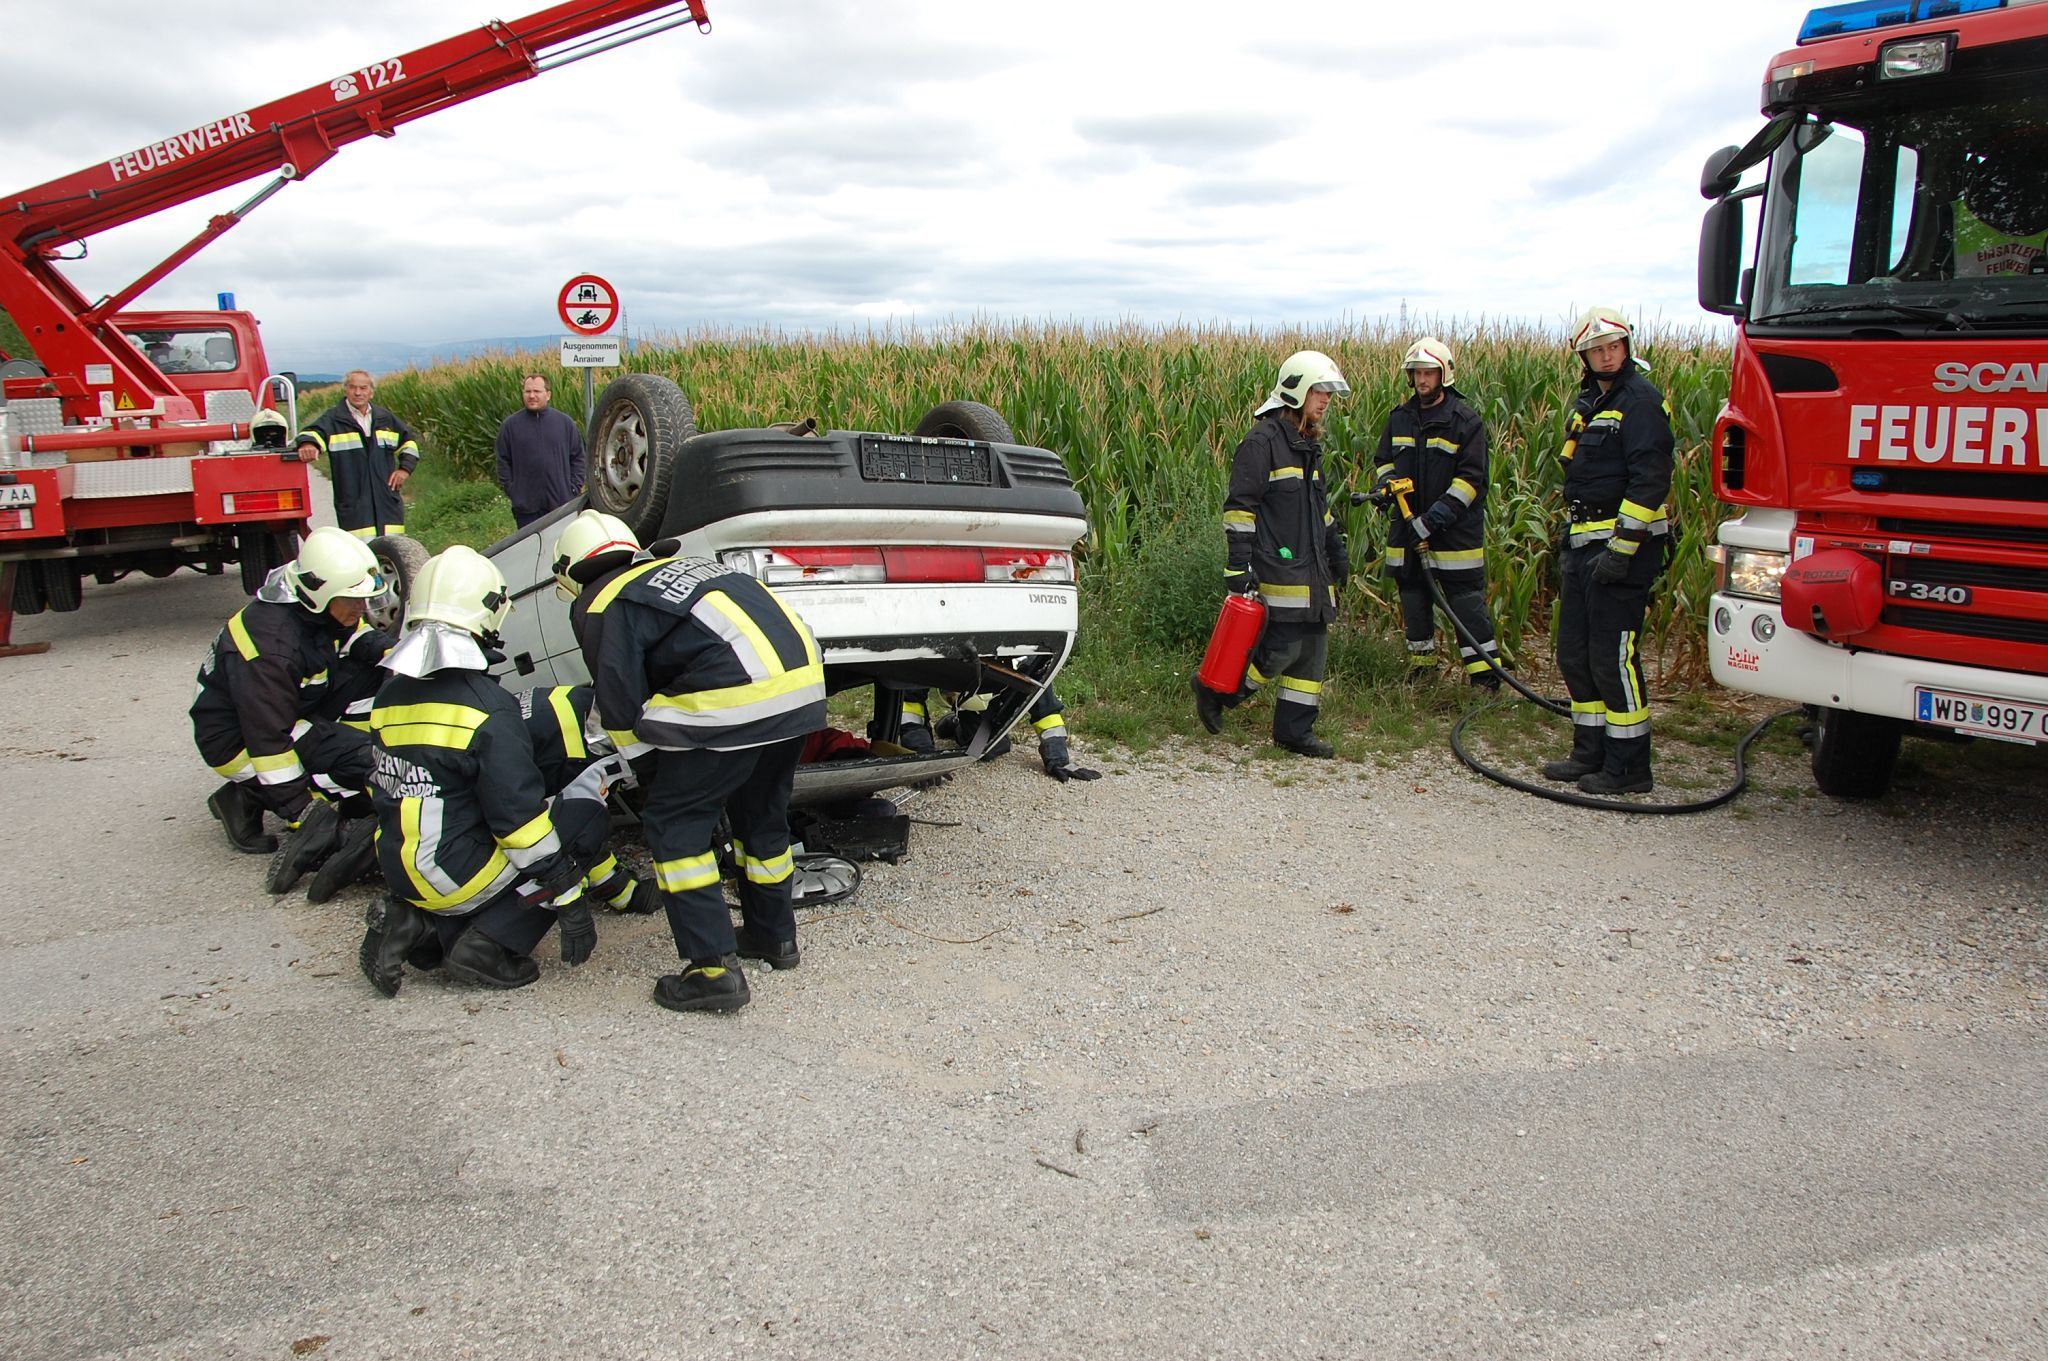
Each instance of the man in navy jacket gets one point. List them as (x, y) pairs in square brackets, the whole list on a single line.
[(540, 454)]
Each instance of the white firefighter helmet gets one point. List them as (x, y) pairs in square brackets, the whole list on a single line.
[(333, 564), (1431, 353), (462, 587), (586, 548), (1598, 325), (1304, 371)]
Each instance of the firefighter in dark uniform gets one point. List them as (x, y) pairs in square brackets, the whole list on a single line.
[(580, 764), (1437, 442), (1617, 474), (474, 854), (1282, 544), (278, 685), (1047, 716), (722, 681), (370, 454)]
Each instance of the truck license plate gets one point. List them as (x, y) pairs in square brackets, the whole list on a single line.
[(2005, 719), (17, 494)]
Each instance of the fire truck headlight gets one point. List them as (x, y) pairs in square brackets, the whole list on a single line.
[(1724, 619), (1763, 628), (1913, 57), (1753, 572)]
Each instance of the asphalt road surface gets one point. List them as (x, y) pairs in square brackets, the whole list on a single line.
[(1207, 1058)]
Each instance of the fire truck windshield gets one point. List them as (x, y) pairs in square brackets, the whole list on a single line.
[(1914, 216)]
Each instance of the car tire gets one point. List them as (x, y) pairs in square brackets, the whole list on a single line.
[(63, 583), (262, 552), (1854, 754), (636, 439), (399, 558), (28, 589), (966, 420)]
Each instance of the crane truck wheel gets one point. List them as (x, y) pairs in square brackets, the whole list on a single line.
[(62, 585), (636, 440), (1854, 754), (28, 589), (399, 558), (263, 551), (965, 420)]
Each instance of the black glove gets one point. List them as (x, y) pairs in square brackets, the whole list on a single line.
[(1063, 773), (1339, 552), (1439, 517), (579, 933), (1241, 583), (1612, 567)]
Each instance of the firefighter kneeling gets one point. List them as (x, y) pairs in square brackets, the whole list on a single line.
[(479, 864)]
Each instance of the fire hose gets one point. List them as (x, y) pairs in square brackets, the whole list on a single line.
[(1398, 490)]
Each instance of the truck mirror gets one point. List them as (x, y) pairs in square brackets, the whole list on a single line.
[(1715, 181), (1720, 265)]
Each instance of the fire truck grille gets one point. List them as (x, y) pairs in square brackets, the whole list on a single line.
[(1968, 625), (1941, 529), (1935, 572)]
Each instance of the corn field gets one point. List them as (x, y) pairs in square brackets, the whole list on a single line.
[(1147, 418)]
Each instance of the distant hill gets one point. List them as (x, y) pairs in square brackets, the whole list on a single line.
[(325, 361)]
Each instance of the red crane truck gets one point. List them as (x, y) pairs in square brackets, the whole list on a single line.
[(1886, 431), (141, 440)]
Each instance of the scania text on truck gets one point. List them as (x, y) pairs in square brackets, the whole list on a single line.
[(1886, 431)]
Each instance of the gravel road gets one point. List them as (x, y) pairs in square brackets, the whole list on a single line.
[(1214, 1057)]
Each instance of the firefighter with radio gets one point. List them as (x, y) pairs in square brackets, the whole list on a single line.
[(277, 688), (478, 861), (1617, 459), (706, 669), (1283, 546), (1435, 443)]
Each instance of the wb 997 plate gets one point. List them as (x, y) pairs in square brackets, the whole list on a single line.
[(2005, 719), (17, 494)]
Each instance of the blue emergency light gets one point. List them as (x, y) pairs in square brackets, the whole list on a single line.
[(1864, 15), (224, 301)]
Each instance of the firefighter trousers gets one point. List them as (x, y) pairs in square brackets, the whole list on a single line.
[(1296, 656), (511, 917), (337, 759), (1599, 628), (1468, 603), (689, 791)]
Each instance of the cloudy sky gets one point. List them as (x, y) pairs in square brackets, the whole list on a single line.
[(820, 163)]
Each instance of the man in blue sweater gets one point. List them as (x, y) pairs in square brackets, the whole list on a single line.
[(540, 454)]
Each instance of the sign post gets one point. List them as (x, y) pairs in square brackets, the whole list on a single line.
[(588, 306)]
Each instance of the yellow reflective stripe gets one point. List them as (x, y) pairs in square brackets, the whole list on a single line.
[(1284, 592), (426, 895), (1050, 721), (734, 696), (427, 735), (410, 446), (347, 439), (1616, 718), (1288, 473), (1644, 513), (744, 625), (391, 435), (536, 827), (602, 870), (1306, 687), (1591, 526), (622, 738), (692, 871), (572, 729), (1463, 490), (228, 769), (460, 715), (1625, 547), (1456, 555), (1609, 415), (913, 712), (313, 437), (284, 760), (1404, 441), (1254, 676), (244, 644), (621, 582), (1239, 517), (366, 532), (1446, 445), (769, 871)]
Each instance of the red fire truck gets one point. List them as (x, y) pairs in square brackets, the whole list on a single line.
[(1886, 432), (141, 440)]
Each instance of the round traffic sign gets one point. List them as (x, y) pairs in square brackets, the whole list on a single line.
[(588, 305)]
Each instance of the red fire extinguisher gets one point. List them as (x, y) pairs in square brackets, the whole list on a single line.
[(1238, 626)]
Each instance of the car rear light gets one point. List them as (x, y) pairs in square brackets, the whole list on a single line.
[(261, 502), (918, 565)]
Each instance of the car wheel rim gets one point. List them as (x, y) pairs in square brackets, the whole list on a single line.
[(625, 461)]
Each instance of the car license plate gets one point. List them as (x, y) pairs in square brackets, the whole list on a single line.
[(17, 494), (2008, 720)]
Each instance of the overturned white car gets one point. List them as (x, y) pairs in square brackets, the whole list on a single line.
[(940, 560)]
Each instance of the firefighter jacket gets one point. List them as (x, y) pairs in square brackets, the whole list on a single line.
[(268, 674), (1442, 450), (1617, 463), (361, 466), (462, 808), (691, 655), (1277, 523)]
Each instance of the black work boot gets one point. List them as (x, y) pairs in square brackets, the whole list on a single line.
[(307, 848), (1589, 745), (1609, 782), (640, 900), (1311, 745), (352, 862), (476, 958), (241, 817), (704, 985), (777, 954), (1208, 705), (396, 929)]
